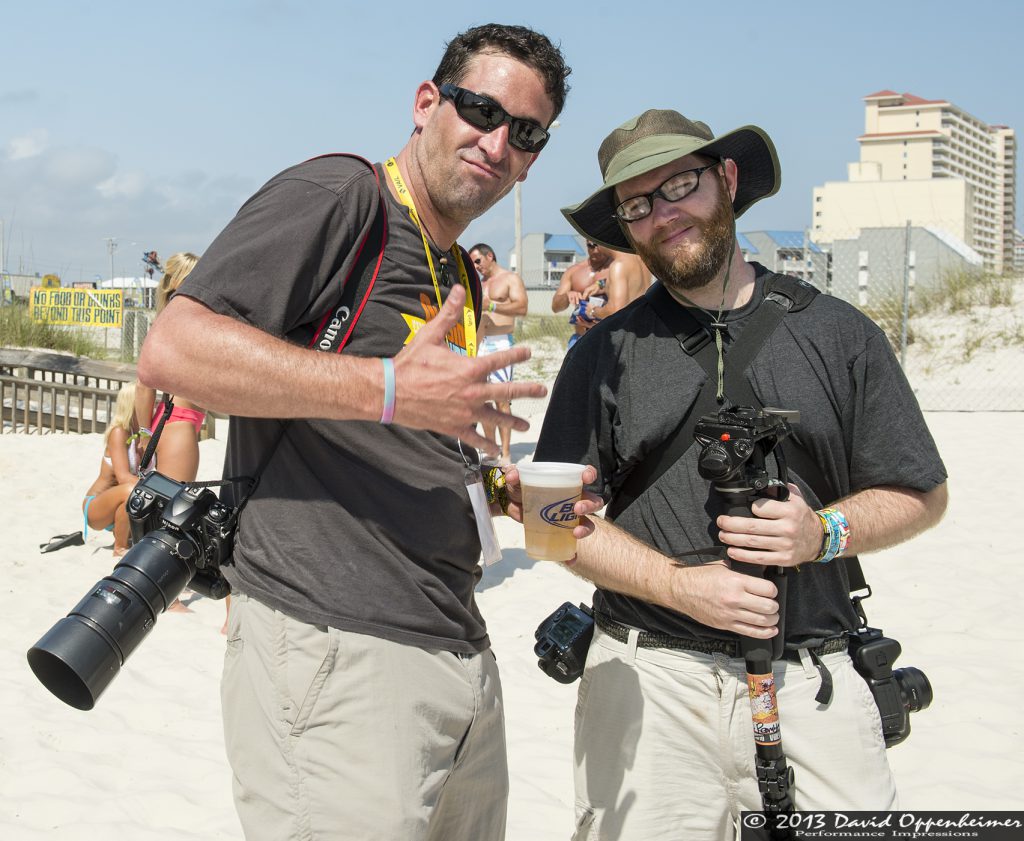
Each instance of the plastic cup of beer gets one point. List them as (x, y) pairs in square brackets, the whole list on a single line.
[(550, 489)]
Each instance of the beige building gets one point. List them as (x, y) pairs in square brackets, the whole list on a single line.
[(928, 162)]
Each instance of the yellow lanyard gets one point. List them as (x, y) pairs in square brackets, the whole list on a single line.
[(468, 316)]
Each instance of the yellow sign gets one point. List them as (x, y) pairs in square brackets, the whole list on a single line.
[(77, 307)]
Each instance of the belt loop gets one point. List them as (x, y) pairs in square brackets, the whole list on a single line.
[(810, 671), (631, 643), (813, 667)]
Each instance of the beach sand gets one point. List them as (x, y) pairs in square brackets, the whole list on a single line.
[(148, 762)]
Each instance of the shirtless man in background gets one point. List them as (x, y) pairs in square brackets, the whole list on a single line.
[(604, 284), (504, 299)]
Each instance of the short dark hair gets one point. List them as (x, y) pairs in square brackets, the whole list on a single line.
[(531, 48), (484, 249)]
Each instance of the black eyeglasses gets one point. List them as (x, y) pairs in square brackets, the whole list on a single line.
[(485, 114), (673, 189)]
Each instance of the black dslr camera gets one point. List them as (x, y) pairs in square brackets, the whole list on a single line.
[(181, 535), (562, 642), (897, 693), (192, 513)]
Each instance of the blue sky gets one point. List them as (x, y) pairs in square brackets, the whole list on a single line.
[(152, 123)]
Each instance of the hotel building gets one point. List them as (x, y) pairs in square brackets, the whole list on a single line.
[(931, 163)]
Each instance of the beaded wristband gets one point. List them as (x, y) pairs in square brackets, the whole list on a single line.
[(496, 488), (389, 391), (835, 534)]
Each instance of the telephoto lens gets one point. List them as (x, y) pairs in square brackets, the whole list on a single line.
[(80, 655)]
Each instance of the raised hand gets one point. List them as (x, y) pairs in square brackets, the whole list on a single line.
[(442, 391)]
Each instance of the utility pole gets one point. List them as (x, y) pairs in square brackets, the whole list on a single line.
[(111, 248), (519, 228), (518, 192)]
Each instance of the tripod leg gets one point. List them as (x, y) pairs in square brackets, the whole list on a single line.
[(774, 776)]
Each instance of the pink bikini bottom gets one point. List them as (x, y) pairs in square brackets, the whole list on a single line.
[(179, 413)]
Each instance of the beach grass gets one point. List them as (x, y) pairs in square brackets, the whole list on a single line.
[(18, 330)]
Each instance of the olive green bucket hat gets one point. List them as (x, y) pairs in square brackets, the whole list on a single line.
[(659, 137)]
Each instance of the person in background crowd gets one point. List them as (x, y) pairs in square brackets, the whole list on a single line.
[(505, 299)]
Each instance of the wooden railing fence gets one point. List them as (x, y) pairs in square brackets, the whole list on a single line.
[(52, 392)]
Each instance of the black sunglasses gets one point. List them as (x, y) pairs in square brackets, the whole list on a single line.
[(674, 188), (485, 114)]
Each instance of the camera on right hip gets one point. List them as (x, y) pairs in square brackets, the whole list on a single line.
[(897, 692)]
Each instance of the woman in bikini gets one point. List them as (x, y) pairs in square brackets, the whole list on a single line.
[(177, 451), (104, 503)]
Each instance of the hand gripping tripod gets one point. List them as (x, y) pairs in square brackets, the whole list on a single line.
[(735, 444)]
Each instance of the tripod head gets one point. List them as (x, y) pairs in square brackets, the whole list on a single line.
[(735, 445)]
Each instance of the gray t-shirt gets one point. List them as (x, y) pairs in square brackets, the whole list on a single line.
[(625, 386), (354, 525)]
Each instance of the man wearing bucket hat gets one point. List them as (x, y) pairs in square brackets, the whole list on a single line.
[(664, 744)]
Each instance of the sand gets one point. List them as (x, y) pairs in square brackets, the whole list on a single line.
[(148, 762)]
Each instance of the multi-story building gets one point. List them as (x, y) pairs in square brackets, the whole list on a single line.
[(930, 163), (787, 252), (546, 257)]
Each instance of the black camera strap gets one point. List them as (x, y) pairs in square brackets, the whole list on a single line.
[(336, 328), (151, 447), (695, 341)]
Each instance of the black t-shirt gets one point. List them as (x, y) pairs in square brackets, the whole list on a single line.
[(625, 386), (354, 525)]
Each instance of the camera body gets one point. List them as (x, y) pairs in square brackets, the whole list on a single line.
[(898, 692), (195, 515), (563, 639), (180, 537)]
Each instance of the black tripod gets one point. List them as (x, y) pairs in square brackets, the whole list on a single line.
[(735, 444)]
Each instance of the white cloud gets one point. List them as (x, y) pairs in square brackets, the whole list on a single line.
[(74, 167), (27, 146), (123, 185)]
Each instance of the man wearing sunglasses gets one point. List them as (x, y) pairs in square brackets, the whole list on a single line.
[(664, 740), (360, 696), (505, 300)]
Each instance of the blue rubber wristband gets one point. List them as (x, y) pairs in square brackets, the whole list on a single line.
[(389, 391)]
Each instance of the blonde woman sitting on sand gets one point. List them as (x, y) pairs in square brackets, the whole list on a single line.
[(178, 447), (177, 450), (104, 502)]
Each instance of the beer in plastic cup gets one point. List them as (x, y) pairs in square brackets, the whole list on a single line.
[(550, 489)]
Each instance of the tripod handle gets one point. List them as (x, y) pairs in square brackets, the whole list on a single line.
[(773, 648)]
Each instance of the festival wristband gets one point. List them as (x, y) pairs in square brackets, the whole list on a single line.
[(388, 414), (492, 307), (148, 433), (835, 534)]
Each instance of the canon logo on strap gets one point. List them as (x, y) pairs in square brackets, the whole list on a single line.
[(341, 315)]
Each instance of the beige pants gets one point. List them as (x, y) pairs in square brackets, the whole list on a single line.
[(336, 735), (665, 749)]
